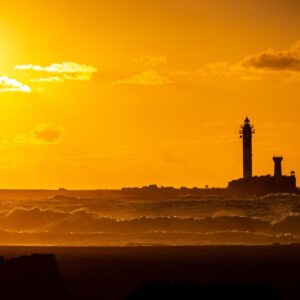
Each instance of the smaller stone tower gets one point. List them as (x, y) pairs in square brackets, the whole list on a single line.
[(277, 166)]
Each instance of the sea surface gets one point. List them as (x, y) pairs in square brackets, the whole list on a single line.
[(72, 221)]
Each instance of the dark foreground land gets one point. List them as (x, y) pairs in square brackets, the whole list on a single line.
[(272, 272)]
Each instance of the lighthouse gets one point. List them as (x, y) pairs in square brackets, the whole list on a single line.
[(260, 185), (246, 133)]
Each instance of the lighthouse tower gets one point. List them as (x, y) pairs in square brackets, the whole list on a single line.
[(246, 134)]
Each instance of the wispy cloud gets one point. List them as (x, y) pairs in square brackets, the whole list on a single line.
[(147, 78), (59, 72), (227, 70), (48, 79), (12, 85)]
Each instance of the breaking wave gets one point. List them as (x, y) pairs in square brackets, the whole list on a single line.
[(66, 221)]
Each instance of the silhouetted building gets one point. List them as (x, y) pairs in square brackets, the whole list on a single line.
[(246, 134), (260, 184)]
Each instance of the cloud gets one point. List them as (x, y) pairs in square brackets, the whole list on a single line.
[(48, 79), (227, 70), (150, 60), (12, 85), (61, 68), (47, 133), (272, 60), (147, 78), (257, 66), (59, 72)]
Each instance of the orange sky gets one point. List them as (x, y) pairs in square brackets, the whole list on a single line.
[(105, 94)]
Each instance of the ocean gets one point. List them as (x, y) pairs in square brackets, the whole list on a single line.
[(207, 220)]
